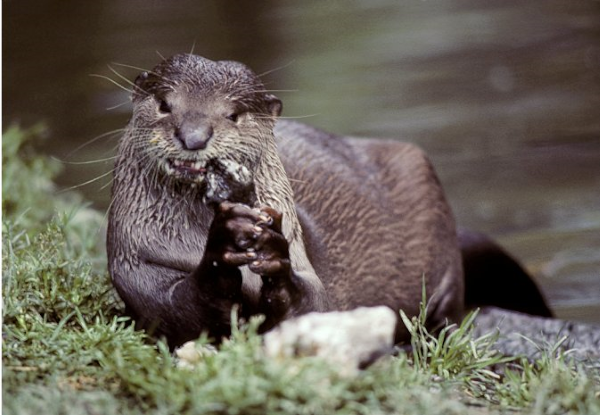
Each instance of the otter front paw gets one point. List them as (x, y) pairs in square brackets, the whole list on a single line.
[(241, 235)]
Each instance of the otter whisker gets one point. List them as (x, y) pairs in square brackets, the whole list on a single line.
[(80, 163), (251, 89), (105, 186), (107, 212), (112, 81), (278, 68), (77, 186), (125, 79), (280, 90), (138, 68), (135, 87), (114, 107), (141, 129), (93, 140), (291, 117)]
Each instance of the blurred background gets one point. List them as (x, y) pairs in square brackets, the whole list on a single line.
[(504, 95)]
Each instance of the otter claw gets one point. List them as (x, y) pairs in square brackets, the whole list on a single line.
[(267, 220)]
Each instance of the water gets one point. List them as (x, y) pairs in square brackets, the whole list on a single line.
[(504, 95)]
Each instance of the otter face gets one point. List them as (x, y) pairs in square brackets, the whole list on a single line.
[(189, 111)]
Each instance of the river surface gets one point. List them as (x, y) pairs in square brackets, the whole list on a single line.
[(504, 95)]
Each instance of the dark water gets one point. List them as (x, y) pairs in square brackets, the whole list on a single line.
[(503, 94)]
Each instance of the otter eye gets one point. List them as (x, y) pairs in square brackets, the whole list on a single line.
[(233, 117), (164, 107)]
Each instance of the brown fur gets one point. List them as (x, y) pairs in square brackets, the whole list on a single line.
[(366, 220)]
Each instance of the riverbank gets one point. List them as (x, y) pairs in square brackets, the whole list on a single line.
[(67, 350)]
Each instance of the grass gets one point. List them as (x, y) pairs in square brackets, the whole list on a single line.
[(67, 350)]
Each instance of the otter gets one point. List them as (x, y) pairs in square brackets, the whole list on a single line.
[(217, 203)]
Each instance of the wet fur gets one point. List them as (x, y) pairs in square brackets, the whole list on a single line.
[(366, 220)]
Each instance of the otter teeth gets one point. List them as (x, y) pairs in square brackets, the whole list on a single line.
[(189, 165)]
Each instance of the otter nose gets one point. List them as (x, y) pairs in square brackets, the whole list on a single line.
[(194, 137)]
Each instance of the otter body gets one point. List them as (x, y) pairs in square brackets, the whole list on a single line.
[(335, 222), (375, 221)]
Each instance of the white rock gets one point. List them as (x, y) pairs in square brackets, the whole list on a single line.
[(349, 339), (190, 354)]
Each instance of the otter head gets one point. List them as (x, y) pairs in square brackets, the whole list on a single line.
[(190, 110)]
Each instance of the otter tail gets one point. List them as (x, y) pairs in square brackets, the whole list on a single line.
[(494, 278)]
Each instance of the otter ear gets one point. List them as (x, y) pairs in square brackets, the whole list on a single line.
[(141, 78), (140, 84), (274, 105)]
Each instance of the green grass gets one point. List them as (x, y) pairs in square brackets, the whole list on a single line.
[(67, 350)]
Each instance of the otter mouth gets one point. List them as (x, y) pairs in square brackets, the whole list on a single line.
[(187, 169)]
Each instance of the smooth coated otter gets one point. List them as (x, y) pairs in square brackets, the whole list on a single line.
[(300, 220)]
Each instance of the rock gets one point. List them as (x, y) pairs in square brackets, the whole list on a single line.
[(190, 354), (228, 180), (522, 334), (351, 339)]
